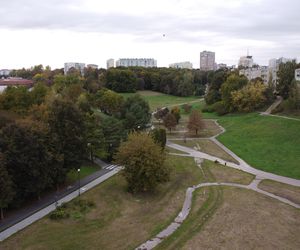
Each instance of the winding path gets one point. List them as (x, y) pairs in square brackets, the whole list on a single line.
[(259, 176)]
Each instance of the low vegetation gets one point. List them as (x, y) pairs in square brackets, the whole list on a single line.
[(287, 191), (119, 219)]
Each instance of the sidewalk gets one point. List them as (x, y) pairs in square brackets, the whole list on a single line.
[(47, 201)]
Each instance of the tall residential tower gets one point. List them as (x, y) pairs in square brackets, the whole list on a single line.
[(207, 60)]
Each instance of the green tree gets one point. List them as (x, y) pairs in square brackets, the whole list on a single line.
[(67, 127), (38, 93), (6, 187), (16, 99), (121, 80), (159, 136), (135, 113), (185, 86), (114, 133), (109, 101), (233, 82), (286, 75), (143, 162), (94, 135), (195, 122), (170, 121), (29, 166)]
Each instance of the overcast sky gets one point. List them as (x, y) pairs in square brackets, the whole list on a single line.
[(52, 32)]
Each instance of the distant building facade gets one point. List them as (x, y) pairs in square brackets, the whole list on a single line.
[(207, 60), (136, 62), (75, 65), (14, 81), (255, 72), (221, 66), (245, 62), (181, 65), (4, 72), (110, 63), (297, 74), (92, 66)]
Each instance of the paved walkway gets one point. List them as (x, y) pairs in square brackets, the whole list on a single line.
[(150, 244), (259, 176), (275, 105), (31, 216)]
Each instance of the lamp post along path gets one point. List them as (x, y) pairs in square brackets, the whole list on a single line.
[(78, 170)]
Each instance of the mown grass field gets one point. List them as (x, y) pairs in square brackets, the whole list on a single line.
[(159, 100), (268, 143)]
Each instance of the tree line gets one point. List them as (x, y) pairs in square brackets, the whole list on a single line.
[(50, 129)]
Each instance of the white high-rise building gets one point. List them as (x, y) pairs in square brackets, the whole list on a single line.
[(245, 62), (136, 62), (75, 65), (110, 63), (207, 60), (181, 65)]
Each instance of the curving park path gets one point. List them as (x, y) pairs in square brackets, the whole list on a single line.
[(259, 176)]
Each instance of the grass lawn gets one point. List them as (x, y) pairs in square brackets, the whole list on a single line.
[(206, 201), (119, 220), (290, 192), (157, 99), (85, 170), (246, 220), (220, 173), (206, 146), (268, 143)]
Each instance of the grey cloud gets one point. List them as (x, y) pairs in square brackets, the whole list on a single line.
[(266, 20)]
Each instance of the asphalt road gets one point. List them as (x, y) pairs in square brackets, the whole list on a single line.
[(22, 213)]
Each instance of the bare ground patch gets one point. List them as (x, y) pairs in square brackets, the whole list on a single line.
[(248, 220), (289, 192)]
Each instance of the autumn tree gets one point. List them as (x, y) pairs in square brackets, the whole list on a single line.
[(232, 83), (143, 161), (187, 107), (249, 98), (160, 113), (195, 122), (170, 121), (176, 112)]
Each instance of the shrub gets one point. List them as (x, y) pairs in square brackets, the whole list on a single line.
[(208, 109), (187, 108), (59, 213), (220, 108)]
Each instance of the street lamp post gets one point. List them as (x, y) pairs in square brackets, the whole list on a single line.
[(78, 171)]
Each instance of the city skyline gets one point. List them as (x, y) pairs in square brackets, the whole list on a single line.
[(55, 32)]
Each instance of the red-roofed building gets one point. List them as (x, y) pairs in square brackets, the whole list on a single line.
[(15, 81)]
